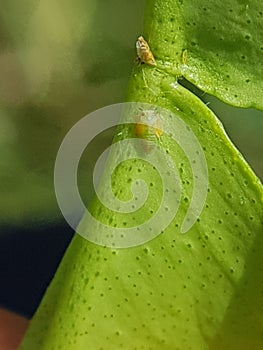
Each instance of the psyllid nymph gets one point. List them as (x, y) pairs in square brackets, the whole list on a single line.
[(148, 128), (144, 52)]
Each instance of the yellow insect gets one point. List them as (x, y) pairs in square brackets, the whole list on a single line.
[(144, 52), (184, 56), (148, 129)]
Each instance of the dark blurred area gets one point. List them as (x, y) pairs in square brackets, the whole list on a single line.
[(29, 258)]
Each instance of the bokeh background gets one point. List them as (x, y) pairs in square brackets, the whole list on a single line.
[(60, 60)]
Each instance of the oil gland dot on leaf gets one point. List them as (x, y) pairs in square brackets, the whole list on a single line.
[(144, 52)]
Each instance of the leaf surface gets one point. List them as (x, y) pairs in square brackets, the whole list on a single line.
[(197, 290), (223, 43)]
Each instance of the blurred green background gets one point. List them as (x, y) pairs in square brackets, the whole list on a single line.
[(60, 60)]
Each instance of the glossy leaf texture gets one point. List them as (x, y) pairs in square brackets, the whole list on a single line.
[(199, 290), (221, 43)]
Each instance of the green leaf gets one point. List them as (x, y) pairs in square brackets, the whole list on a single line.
[(50, 70), (199, 290), (177, 291), (223, 43)]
